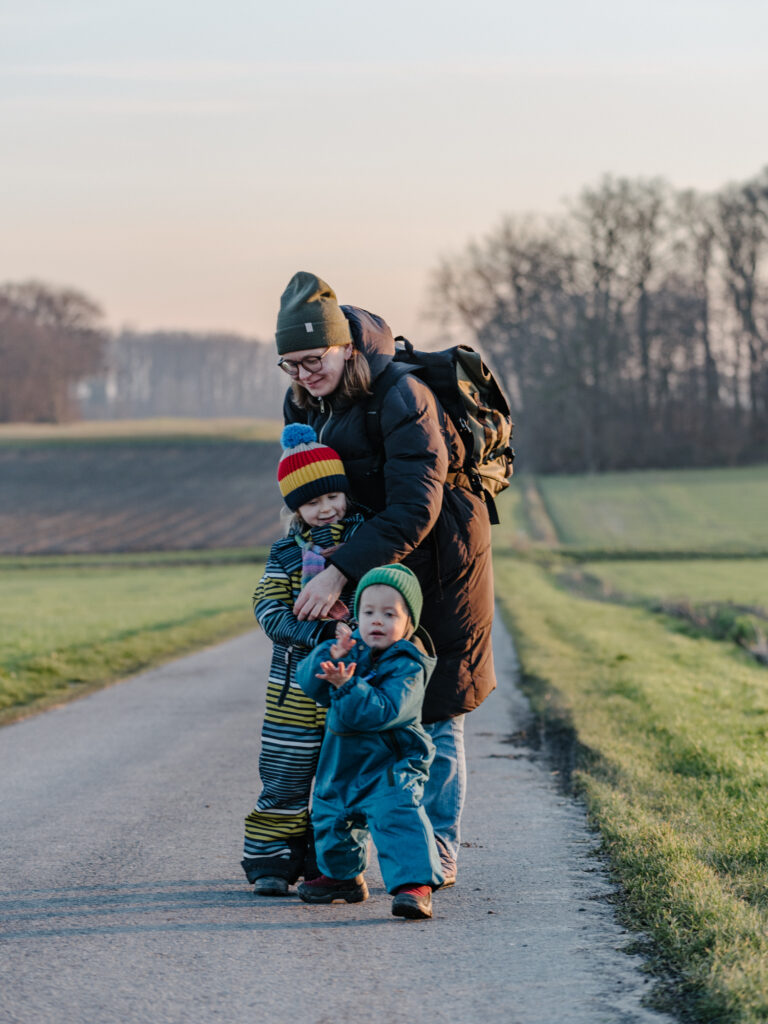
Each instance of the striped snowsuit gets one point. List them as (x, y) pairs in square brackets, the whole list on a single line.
[(277, 830)]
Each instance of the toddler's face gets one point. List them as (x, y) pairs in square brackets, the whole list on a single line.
[(328, 508), (383, 616)]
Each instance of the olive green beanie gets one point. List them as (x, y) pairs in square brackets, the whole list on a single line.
[(400, 579), (310, 316)]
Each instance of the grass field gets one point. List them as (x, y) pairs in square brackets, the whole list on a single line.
[(669, 728), (689, 510), (64, 631), (741, 581), (672, 735), (135, 559), (139, 493), (149, 429)]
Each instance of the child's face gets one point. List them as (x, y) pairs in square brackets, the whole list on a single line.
[(328, 508), (382, 616)]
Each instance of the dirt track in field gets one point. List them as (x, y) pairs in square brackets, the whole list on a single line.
[(132, 496)]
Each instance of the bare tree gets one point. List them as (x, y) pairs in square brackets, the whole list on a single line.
[(50, 338), (695, 217), (743, 234)]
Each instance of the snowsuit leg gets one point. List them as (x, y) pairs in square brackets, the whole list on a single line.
[(278, 836), (403, 836), (341, 839), (400, 829)]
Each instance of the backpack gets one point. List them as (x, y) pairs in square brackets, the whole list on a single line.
[(473, 400)]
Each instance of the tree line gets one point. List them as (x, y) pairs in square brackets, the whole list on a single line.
[(59, 363), (180, 373), (631, 331)]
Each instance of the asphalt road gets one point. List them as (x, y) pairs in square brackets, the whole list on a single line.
[(122, 900)]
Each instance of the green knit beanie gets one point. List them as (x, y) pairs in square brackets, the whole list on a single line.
[(400, 579), (310, 316)]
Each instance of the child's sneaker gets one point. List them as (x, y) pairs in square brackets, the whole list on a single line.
[(413, 901), (326, 890), (270, 885)]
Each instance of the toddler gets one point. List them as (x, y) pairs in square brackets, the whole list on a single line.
[(376, 755)]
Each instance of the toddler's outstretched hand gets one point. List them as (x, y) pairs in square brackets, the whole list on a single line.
[(337, 674), (343, 643)]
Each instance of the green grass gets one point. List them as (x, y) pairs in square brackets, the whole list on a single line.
[(64, 631), (738, 581), (666, 510), (166, 428), (524, 521), (672, 733), (512, 528), (670, 725), (135, 559)]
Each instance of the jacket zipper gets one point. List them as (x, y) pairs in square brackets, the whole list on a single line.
[(287, 683), (330, 417)]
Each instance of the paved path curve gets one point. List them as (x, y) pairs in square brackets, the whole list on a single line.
[(121, 898)]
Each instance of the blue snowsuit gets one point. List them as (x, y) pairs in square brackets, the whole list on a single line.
[(373, 764)]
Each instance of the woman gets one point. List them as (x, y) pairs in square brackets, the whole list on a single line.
[(441, 532)]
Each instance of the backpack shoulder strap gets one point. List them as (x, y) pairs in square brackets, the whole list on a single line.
[(373, 404)]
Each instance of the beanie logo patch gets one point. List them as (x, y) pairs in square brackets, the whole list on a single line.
[(310, 328)]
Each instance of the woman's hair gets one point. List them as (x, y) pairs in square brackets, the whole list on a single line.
[(355, 383)]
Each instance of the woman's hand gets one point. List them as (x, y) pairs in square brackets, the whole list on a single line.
[(320, 594), (337, 674)]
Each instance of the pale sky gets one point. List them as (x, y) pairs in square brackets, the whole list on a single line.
[(179, 161)]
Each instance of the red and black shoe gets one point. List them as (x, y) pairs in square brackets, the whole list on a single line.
[(413, 901), (328, 890)]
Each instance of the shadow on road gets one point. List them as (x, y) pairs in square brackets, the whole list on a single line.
[(101, 910)]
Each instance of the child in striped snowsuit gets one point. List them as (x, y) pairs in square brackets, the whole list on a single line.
[(278, 844)]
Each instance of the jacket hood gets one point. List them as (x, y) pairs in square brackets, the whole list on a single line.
[(372, 336)]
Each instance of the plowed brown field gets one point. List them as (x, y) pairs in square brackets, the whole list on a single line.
[(137, 496)]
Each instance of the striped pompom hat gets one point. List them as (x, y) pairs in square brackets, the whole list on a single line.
[(307, 468)]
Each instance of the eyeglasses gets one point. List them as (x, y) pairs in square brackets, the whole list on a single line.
[(309, 363)]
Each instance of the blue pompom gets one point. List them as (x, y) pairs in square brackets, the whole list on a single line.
[(297, 433)]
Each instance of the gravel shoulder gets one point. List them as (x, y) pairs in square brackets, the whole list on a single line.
[(122, 900)]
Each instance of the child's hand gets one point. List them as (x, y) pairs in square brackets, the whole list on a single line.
[(337, 674), (343, 643)]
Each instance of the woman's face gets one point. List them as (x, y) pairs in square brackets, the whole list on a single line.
[(324, 380)]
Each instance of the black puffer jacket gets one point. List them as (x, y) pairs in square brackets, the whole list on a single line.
[(439, 531)]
